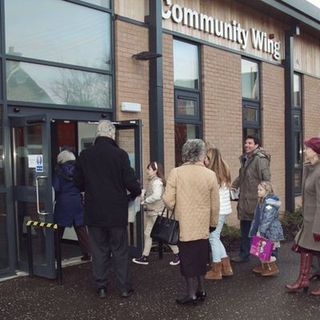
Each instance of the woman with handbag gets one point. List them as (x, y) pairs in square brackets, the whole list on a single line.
[(193, 191), (266, 224), (308, 238), (220, 261), (153, 206)]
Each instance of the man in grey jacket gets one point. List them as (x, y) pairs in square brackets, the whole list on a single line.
[(255, 167)]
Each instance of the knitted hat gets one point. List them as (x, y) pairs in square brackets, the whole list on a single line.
[(314, 144), (65, 156)]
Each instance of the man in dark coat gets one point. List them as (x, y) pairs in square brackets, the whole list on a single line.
[(255, 167), (103, 172)]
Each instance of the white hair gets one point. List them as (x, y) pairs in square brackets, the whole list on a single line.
[(65, 156), (106, 128), (193, 150)]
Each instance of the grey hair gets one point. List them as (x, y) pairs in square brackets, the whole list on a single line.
[(193, 150), (106, 128), (65, 156)]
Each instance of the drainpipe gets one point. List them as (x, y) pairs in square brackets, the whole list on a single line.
[(156, 82), (289, 120)]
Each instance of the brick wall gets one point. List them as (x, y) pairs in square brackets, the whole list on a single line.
[(132, 77), (168, 103), (273, 123)]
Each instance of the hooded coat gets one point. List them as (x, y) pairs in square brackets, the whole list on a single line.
[(68, 209), (254, 169), (310, 207), (104, 173), (266, 219)]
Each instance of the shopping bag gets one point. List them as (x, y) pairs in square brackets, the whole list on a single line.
[(261, 248), (166, 228)]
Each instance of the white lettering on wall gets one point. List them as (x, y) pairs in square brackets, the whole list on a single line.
[(231, 31)]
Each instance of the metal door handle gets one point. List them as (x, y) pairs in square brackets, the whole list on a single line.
[(37, 194)]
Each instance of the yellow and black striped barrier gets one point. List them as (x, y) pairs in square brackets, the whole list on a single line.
[(57, 245), (32, 223)]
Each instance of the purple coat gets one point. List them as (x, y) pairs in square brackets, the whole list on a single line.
[(68, 208)]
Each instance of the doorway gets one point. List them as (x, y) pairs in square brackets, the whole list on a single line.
[(36, 142)]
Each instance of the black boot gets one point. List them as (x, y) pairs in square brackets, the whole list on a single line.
[(191, 297), (201, 293)]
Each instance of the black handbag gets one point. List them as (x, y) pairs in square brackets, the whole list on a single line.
[(166, 228)]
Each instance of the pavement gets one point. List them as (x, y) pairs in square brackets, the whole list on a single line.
[(244, 296)]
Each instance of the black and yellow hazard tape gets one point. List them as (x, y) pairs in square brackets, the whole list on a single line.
[(42, 224)]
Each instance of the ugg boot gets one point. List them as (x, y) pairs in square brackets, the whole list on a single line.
[(315, 292), (226, 267), (270, 269), (304, 274), (215, 272), (259, 268)]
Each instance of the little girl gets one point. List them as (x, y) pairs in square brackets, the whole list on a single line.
[(153, 206), (266, 224)]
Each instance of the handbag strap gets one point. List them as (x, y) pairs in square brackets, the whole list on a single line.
[(172, 215)]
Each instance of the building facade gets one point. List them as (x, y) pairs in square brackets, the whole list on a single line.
[(163, 71)]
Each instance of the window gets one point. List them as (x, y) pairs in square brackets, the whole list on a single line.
[(250, 98), (44, 84), (59, 31), (297, 129), (187, 95)]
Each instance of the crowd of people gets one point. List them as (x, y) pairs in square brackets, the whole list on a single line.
[(92, 194)]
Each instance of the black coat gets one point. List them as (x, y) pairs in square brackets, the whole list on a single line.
[(103, 172)]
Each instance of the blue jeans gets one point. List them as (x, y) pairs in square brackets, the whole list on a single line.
[(245, 241), (217, 248)]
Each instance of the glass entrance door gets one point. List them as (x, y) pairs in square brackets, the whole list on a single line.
[(36, 141), (32, 191)]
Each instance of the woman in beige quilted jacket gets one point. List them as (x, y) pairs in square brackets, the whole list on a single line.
[(192, 191)]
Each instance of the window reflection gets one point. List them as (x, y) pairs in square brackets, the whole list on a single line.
[(44, 84), (183, 132), (186, 65), (249, 79), (59, 31)]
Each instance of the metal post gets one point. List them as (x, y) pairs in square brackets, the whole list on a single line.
[(29, 251), (58, 255)]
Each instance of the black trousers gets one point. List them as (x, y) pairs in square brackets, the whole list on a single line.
[(103, 241)]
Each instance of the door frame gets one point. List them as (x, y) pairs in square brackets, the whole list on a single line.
[(75, 115)]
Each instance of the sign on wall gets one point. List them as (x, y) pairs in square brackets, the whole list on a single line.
[(230, 31)]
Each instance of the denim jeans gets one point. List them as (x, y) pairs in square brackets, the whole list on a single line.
[(245, 241), (217, 248)]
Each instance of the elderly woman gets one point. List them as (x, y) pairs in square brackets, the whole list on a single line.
[(308, 239), (192, 191)]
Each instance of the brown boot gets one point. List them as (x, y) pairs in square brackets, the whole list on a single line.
[(315, 292), (226, 267), (215, 272), (304, 274), (259, 268), (270, 269)]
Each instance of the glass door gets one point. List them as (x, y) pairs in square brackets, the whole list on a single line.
[(32, 191)]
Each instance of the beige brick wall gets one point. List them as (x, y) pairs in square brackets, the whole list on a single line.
[(168, 103), (222, 107), (311, 106), (132, 77), (273, 123)]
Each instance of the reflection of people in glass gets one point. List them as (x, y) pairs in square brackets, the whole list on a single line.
[(68, 210)]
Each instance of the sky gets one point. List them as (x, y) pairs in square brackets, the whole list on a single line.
[(315, 2)]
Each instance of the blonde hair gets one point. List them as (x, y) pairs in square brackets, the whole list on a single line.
[(267, 186), (219, 166)]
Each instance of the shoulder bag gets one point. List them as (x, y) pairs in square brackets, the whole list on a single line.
[(166, 228)]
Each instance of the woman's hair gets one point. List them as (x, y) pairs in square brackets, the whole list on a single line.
[(193, 150), (156, 166), (65, 156), (266, 185), (219, 166)]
